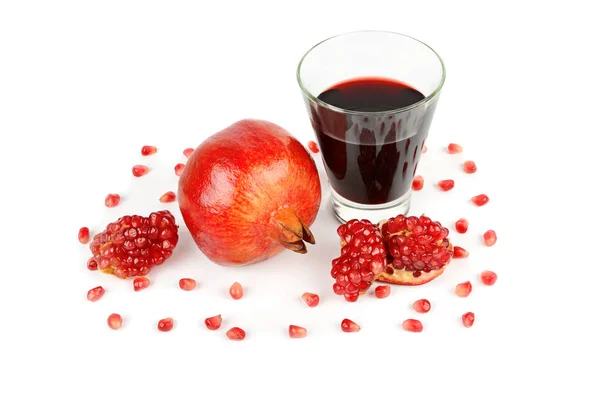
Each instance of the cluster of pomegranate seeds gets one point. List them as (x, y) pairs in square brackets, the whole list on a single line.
[(349, 326), (213, 323), (236, 333), (114, 321), (311, 299), (179, 169), (468, 319), (422, 306), (382, 291), (480, 200), (140, 283), (112, 200), (446, 185), (165, 324), (139, 170), (463, 289), (412, 325), (187, 284), (92, 265), (188, 152), (489, 238), (149, 150), (454, 148), (417, 183), (83, 235), (459, 252), (312, 146), (469, 167), (297, 332), (488, 278), (462, 225), (96, 293), (236, 291)]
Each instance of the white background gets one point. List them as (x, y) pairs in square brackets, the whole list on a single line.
[(84, 84)]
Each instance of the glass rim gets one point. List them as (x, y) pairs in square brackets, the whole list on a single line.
[(425, 100)]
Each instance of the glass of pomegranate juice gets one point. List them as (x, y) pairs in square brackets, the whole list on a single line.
[(371, 97)]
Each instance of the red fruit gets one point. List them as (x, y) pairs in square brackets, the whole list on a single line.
[(459, 252), (311, 299), (83, 235), (187, 284), (462, 225), (422, 306), (140, 283), (454, 148), (468, 319), (236, 334), (480, 200), (112, 200), (249, 192), (412, 325), (95, 294), (350, 326), (469, 167), (188, 152), (297, 332), (133, 244), (236, 291), (165, 324), (488, 278), (382, 291), (92, 264), (139, 170), (168, 197), (489, 238), (446, 185), (418, 250), (213, 323), (312, 146), (418, 182), (463, 289), (179, 169), (114, 321), (148, 150)]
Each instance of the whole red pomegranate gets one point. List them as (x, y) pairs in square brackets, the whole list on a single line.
[(248, 192)]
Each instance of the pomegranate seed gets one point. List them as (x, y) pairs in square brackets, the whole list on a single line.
[(213, 323), (459, 252), (165, 324), (424, 149), (139, 170), (83, 235), (179, 169), (462, 225), (468, 319), (112, 200), (236, 291), (469, 167), (92, 264), (418, 182), (446, 185), (114, 321), (95, 294), (188, 152), (168, 197), (454, 148), (236, 333), (311, 299), (149, 150), (313, 147), (488, 278), (382, 291), (187, 284), (412, 325), (350, 326), (463, 289), (422, 306), (297, 332), (489, 238), (140, 283), (480, 200)]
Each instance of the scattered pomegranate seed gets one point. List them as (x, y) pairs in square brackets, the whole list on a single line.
[(350, 326), (83, 235), (168, 197), (446, 185), (462, 225), (139, 170), (149, 150), (468, 319), (165, 324), (311, 299), (92, 264), (418, 182), (140, 283), (313, 147), (463, 289), (114, 321), (382, 291), (236, 333), (188, 152), (422, 306), (488, 278), (187, 284), (424, 149), (179, 169), (480, 200), (469, 167), (412, 325), (236, 291), (459, 252), (454, 148), (112, 200), (213, 323), (297, 332), (489, 238), (95, 294)]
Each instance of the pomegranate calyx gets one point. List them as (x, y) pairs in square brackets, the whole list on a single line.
[(291, 231)]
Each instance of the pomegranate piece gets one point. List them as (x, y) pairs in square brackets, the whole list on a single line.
[(188, 152), (446, 185), (418, 182), (168, 197), (311, 299), (469, 167), (92, 264), (165, 324), (187, 284), (114, 321), (382, 291), (468, 319), (297, 332), (350, 326), (463, 289), (488, 278), (236, 291), (140, 283), (112, 200), (422, 306), (462, 225), (132, 245), (83, 235), (213, 323), (459, 252), (489, 238), (424, 149), (412, 325), (96, 293), (312, 146), (139, 170), (179, 169), (454, 148), (480, 200), (236, 333), (149, 150)]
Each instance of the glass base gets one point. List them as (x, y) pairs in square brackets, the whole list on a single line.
[(345, 210)]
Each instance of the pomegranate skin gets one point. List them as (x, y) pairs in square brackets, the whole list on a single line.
[(248, 192)]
